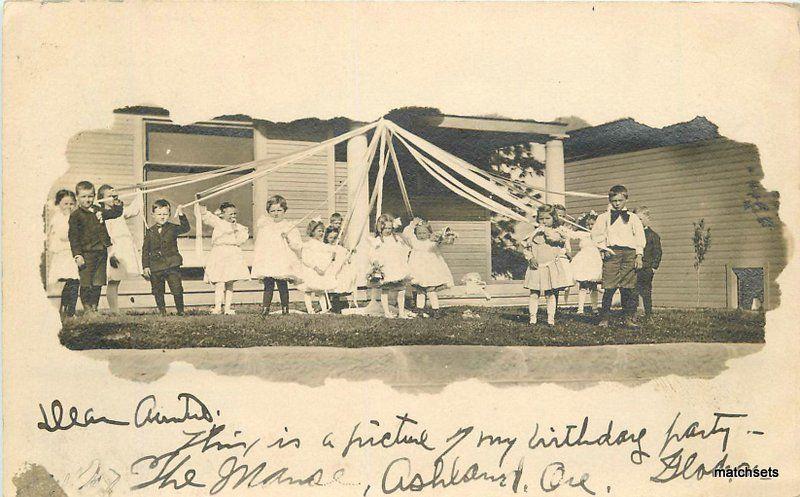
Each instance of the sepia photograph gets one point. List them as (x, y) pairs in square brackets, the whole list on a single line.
[(382, 248), (418, 228), (377, 231)]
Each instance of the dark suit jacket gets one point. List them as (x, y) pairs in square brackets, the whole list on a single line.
[(160, 250), (86, 232), (652, 249)]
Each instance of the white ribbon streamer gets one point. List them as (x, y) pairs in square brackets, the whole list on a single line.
[(459, 188), (399, 173), (279, 163)]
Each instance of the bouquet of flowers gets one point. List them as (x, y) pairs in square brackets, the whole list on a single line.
[(544, 234), (446, 236), (375, 275)]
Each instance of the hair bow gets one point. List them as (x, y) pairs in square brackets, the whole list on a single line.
[(397, 222)]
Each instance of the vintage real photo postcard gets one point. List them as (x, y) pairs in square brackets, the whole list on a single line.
[(369, 249)]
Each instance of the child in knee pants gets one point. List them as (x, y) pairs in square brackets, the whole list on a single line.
[(89, 242), (622, 232)]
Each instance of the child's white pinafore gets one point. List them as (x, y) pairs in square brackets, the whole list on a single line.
[(60, 264), (342, 271), (392, 254), (552, 271), (427, 266), (274, 256), (587, 265), (225, 261), (318, 254), (122, 245)]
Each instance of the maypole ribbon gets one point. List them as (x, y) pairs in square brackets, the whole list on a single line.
[(461, 166), (453, 162), (281, 162), (376, 192), (187, 179), (522, 184), (319, 206), (457, 187), (399, 173), (198, 232), (369, 156), (383, 160)]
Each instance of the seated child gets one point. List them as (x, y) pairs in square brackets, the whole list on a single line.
[(317, 257)]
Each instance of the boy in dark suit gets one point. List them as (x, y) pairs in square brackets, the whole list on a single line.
[(651, 259), (161, 260), (89, 242)]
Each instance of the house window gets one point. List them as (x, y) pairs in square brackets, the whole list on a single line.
[(173, 150), (749, 287)]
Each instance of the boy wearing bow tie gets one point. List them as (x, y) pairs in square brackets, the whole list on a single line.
[(622, 232), (161, 260)]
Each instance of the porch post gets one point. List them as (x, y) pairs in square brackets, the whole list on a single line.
[(554, 171), (260, 185), (539, 154)]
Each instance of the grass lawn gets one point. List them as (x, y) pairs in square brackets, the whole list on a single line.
[(495, 326)]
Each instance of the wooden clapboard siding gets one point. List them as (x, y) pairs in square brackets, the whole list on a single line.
[(682, 184), (341, 196), (304, 184), (472, 252), (100, 157)]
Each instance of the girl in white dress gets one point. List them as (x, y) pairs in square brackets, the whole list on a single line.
[(276, 256), (566, 230), (389, 258), (429, 271), (341, 270), (225, 265), (61, 267), (124, 260), (317, 257), (587, 265), (548, 266)]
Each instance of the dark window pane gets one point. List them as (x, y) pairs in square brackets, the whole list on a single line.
[(199, 144), (750, 286), (242, 197)]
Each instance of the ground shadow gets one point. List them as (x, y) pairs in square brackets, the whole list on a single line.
[(432, 368)]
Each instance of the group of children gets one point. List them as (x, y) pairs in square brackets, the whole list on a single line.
[(91, 246), (618, 249), (321, 267)]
